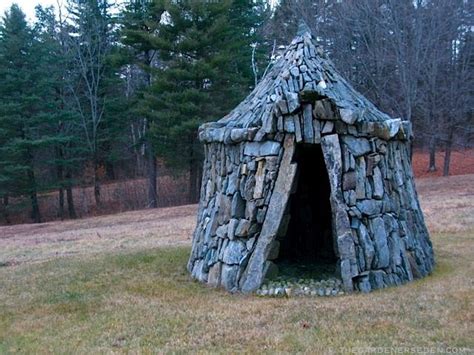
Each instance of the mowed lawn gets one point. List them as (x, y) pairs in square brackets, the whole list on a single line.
[(119, 284)]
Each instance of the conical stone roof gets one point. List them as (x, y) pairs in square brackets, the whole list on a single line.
[(302, 74)]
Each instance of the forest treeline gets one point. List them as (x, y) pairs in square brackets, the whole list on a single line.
[(92, 92)]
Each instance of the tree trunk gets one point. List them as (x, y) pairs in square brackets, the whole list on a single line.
[(35, 211), (60, 177), (61, 203), (96, 184), (70, 199), (152, 177), (447, 153), (6, 215), (432, 148)]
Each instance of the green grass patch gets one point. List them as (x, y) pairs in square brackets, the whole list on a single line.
[(146, 302)]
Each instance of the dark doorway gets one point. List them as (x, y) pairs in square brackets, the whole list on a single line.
[(308, 241)]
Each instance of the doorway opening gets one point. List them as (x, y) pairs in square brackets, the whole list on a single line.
[(307, 247)]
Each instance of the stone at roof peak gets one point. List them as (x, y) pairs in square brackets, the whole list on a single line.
[(303, 28)]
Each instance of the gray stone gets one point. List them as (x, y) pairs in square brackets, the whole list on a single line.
[(372, 161), (229, 277), (242, 229), (224, 208), (234, 252), (298, 130), (345, 245), (294, 71), (364, 285), (257, 149), (351, 129), (252, 149), (317, 131), (308, 124), (323, 111), (259, 179), (250, 243), (366, 244), (221, 231), (328, 127), (370, 207), (250, 211), (368, 190), (394, 245), (198, 272), (274, 250), (350, 197), (280, 124), (214, 279), (357, 146), (231, 228), (376, 279), (378, 189), (348, 115), (233, 183), (239, 134), (261, 214), (387, 129), (346, 275), (282, 106), (349, 180), (380, 241), (248, 187), (269, 123), (293, 102), (361, 180), (289, 124), (238, 206)]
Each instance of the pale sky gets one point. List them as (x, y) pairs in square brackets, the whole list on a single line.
[(28, 6)]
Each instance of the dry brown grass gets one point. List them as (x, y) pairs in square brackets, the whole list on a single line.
[(144, 302), (138, 230), (448, 203)]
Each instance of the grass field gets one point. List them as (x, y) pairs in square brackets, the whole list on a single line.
[(118, 284)]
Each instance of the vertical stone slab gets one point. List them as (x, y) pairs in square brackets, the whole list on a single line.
[(259, 179), (341, 225), (254, 274), (308, 128), (298, 130)]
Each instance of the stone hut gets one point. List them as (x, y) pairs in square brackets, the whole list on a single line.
[(307, 167)]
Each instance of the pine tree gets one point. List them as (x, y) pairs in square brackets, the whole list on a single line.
[(25, 119), (139, 58), (55, 60), (204, 71)]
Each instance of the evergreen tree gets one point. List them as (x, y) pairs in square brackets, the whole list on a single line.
[(25, 119), (204, 50), (138, 23), (55, 59)]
